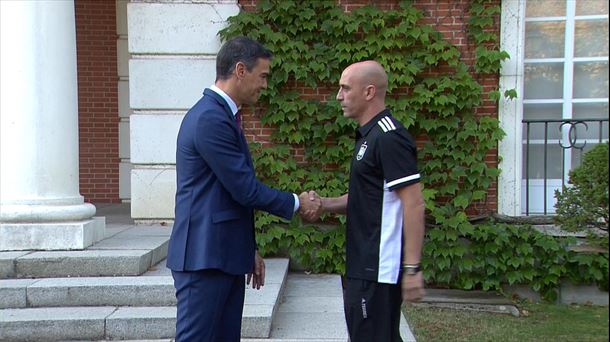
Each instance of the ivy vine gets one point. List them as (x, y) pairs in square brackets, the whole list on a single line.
[(431, 91)]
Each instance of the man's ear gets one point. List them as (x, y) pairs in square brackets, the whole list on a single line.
[(370, 92), (240, 70)]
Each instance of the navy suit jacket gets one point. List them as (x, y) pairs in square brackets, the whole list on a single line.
[(217, 192)]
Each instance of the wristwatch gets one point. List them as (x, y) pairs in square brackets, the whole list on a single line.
[(410, 269)]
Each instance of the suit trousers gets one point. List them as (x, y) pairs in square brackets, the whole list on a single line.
[(209, 305)]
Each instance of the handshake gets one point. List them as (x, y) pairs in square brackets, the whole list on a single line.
[(310, 207)]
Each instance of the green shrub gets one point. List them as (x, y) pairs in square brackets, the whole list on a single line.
[(585, 203), (486, 256)]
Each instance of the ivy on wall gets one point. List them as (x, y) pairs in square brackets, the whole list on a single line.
[(431, 91)]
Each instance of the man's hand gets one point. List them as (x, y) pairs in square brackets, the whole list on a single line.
[(311, 205), (258, 277), (412, 287)]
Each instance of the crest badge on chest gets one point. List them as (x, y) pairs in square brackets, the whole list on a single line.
[(362, 151)]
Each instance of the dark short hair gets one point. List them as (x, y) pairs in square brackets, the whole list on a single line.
[(239, 49)]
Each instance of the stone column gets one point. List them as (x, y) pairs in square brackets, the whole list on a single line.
[(40, 203), (510, 112)]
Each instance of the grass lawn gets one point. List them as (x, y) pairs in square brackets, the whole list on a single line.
[(538, 322)]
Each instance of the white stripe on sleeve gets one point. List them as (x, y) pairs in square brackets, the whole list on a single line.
[(403, 180)]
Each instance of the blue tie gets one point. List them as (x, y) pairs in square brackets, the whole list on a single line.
[(238, 119)]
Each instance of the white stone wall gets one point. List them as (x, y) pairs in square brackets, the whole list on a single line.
[(172, 48)]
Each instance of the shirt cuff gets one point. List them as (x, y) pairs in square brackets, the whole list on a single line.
[(297, 203)]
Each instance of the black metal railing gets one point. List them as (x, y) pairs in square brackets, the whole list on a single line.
[(562, 133)]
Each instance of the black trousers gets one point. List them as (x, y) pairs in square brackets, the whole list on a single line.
[(210, 306), (372, 311)]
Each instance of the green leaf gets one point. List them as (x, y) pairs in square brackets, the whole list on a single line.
[(461, 201)]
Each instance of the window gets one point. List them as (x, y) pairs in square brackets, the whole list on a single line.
[(561, 76), (565, 77)]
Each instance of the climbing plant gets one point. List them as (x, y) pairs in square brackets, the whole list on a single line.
[(431, 91)]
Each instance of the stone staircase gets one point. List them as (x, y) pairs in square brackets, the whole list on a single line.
[(120, 289), (114, 308)]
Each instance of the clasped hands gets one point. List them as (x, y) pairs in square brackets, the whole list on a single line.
[(310, 205)]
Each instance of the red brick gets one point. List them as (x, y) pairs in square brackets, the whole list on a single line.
[(97, 99)]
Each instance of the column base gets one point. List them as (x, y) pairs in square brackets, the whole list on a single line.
[(52, 236)]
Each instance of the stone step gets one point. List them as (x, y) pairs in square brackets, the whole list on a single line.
[(121, 291), (310, 309), (89, 291), (130, 251), (117, 308), (111, 323)]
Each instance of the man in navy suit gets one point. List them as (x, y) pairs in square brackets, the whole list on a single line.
[(212, 245)]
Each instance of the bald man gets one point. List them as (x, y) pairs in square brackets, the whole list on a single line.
[(385, 210)]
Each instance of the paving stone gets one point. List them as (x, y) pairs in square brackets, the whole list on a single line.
[(130, 242), (156, 230), (53, 324), (309, 325), (311, 304), (156, 244), (313, 285), (114, 229), (312, 308)]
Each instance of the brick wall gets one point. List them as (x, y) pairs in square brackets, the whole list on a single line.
[(450, 17), (96, 47), (98, 97)]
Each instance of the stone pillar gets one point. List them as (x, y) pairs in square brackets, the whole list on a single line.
[(510, 112), (40, 203)]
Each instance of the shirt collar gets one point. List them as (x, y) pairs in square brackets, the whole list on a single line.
[(364, 130), (226, 97)]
